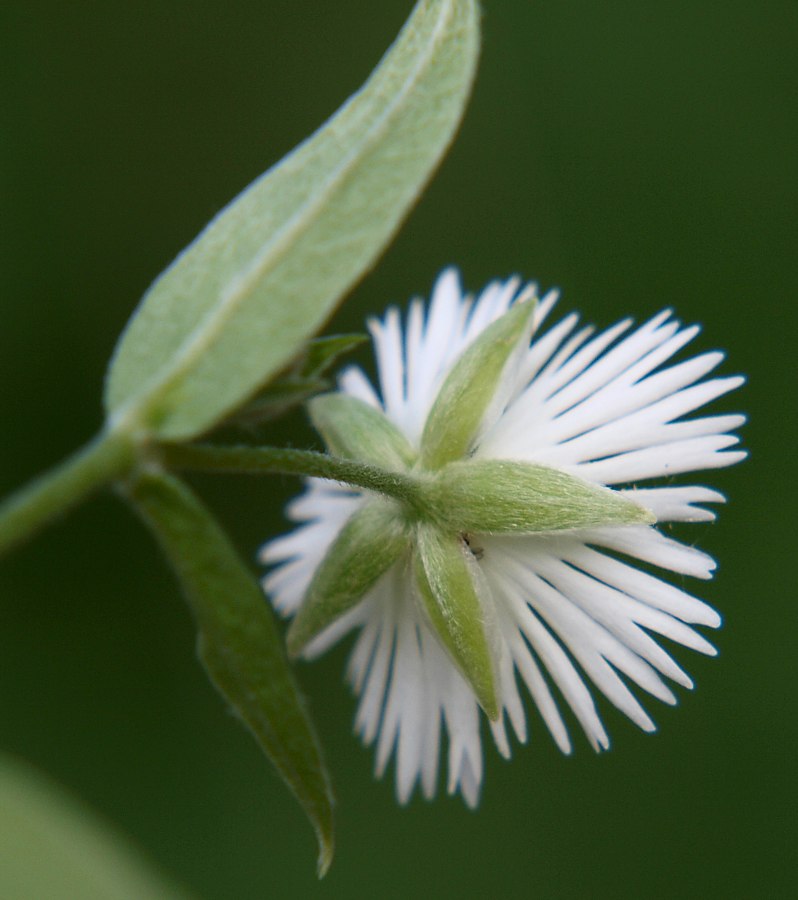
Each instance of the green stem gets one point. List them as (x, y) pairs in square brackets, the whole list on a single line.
[(105, 459), (279, 460)]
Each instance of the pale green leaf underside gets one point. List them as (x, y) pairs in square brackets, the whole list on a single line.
[(505, 497), (51, 846), (264, 275), (238, 642)]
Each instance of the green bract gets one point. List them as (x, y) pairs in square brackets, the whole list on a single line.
[(240, 301)]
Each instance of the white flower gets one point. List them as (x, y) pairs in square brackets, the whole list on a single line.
[(560, 607)]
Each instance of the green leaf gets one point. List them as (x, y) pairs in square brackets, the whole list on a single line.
[(504, 497), (454, 597), (296, 384), (472, 387), (322, 353), (275, 401), (52, 846), (238, 642), (239, 302), (354, 430), (368, 545)]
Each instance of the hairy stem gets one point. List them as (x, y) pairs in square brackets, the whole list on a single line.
[(107, 458), (259, 460)]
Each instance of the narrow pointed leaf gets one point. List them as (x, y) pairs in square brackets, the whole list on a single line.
[(239, 302), (470, 388), (298, 382), (449, 587), (504, 497), (368, 545), (238, 642), (322, 353), (54, 847), (355, 430)]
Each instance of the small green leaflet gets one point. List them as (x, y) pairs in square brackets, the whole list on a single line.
[(238, 304), (298, 382)]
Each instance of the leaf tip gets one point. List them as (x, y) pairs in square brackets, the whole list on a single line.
[(326, 853)]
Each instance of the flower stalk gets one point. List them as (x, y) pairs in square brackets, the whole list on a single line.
[(244, 460)]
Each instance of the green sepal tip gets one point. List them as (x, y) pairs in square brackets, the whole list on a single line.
[(507, 497), (472, 386), (455, 599)]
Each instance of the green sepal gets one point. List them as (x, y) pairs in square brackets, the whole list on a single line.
[(506, 497), (238, 642), (470, 388), (354, 430), (372, 540), (454, 597)]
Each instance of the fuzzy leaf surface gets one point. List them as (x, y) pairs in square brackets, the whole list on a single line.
[(237, 305)]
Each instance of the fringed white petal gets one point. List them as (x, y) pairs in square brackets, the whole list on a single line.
[(569, 608)]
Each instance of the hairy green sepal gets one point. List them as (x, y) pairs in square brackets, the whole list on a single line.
[(449, 587), (505, 497), (354, 430), (470, 388), (238, 304), (238, 642), (372, 540)]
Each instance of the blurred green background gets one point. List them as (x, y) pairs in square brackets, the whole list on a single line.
[(636, 155)]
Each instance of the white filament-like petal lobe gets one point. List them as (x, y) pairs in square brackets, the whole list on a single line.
[(572, 612)]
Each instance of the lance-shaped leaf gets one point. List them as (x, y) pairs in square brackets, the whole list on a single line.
[(470, 389), (302, 379), (54, 847), (455, 598), (505, 497), (238, 642), (239, 302), (355, 430), (368, 545)]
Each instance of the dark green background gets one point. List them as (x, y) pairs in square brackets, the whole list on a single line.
[(637, 155)]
